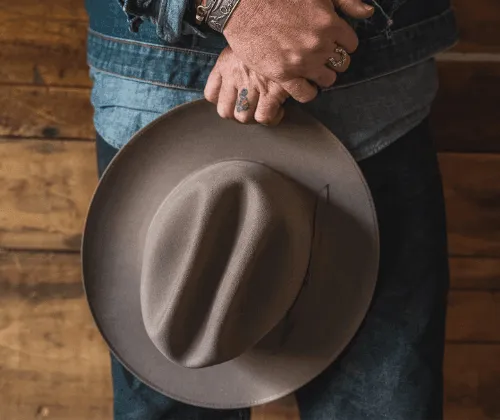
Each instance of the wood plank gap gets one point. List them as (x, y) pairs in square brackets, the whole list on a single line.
[(478, 256), (473, 342), (49, 86), (494, 155), (23, 17), (464, 152), (468, 57), (6, 139), (32, 86), (472, 289), (39, 251)]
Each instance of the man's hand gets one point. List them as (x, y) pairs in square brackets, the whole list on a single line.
[(242, 94), (290, 41)]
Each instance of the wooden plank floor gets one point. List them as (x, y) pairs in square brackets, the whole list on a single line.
[(53, 363)]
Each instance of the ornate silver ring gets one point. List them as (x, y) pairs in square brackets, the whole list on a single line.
[(334, 63)]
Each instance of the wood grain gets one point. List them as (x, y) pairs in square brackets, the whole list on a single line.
[(40, 276), (47, 9), (473, 203), (46, 189), (473, 316), (47, 52), (479, 25), (50, 48), (53, 362), (472, 382), (475, 273), (464, 116), (45, 112)]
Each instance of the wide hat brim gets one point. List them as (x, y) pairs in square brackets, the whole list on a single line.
[(331, 306)]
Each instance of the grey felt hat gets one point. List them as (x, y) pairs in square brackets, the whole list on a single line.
[(228, 265)]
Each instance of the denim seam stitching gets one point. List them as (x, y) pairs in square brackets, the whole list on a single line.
[(144, 45), (153, 82)]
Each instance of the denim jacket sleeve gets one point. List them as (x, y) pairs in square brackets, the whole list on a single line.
[(167, 15)]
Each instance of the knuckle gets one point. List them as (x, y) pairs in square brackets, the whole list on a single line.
[(307, 97), (243, 118), (346, 64), (263, 118), (355, 43), (328, 79), (351, 39), (283, 96), (324, 21), (333, 78), (296, 59), (300, 90), (224, 113), (279, 93), (315, 43), (210, 97)]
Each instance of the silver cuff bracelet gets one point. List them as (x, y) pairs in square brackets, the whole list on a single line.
[(216, 13)]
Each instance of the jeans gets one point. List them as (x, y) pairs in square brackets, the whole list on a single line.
[(393, 367)]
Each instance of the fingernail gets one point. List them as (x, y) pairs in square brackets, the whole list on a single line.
[(368, 8)]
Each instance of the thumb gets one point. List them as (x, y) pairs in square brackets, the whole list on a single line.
[(354, 8)]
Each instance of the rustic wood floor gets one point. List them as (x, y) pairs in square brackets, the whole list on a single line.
[(53, 363)]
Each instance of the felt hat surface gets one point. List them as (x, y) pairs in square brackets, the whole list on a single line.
[(227, 265)]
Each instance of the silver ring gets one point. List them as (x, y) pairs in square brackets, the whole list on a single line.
[(333, 63)]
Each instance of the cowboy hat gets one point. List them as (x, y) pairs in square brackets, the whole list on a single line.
[(228, 265)]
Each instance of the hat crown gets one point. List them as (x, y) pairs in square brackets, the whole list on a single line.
[(224, 259)]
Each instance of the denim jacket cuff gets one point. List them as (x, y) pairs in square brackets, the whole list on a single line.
[(172, 22), (138, 11), (167, 15)]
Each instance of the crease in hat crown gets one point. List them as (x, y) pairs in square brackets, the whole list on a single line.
[(225, 257)]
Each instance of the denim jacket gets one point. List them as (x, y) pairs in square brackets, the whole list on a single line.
[(157, 41)]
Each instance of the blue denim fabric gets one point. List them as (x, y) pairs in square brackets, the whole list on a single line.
[(392, 370), (400, 34), (166, 15), (366, 117), (139, 10)]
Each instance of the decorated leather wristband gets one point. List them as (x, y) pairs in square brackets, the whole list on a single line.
[(216, 13)]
